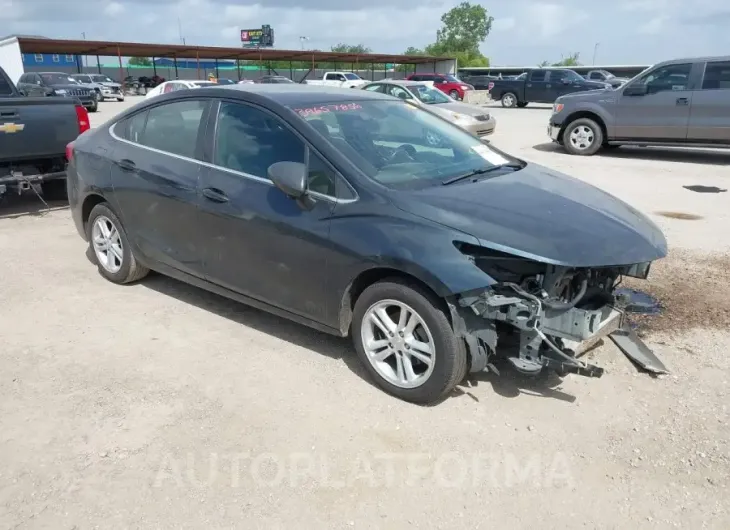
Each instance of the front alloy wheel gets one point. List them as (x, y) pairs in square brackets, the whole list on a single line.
[(398, 343), (405, 340), (583, 137)]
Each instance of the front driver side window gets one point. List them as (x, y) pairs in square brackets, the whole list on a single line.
[(249, 140), (667, 78)]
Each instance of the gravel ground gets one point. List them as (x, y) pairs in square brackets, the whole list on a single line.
[(158, 405)]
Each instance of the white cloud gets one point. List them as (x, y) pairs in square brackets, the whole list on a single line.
[(113, 9)]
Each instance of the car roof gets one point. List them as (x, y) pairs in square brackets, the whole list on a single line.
[(295, 94), (400, 82)]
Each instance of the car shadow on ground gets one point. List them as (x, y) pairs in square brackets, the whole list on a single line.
[(13, 206), (511, 384), (508, 384), (659, 154), (281, 328)]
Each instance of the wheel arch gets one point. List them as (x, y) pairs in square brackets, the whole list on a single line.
[(584, 114), (374, 275), (90, 201)]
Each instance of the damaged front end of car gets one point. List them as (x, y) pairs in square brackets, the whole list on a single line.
[(538, 315)]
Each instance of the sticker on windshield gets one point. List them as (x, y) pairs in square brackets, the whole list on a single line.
[(490, 156), (323, 109)]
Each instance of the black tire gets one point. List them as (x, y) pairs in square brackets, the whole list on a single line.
[(595, 130), (54, 190), (450, 353), (509, 100), (522, 105), (454, 94), (94, 107), (131, 270)]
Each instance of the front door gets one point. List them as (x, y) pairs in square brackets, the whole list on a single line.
[(709, 119), (155, 180), (538, 87), (662, 113), (260, 242)]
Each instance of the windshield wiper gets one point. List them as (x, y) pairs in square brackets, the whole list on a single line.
[(478, 172)]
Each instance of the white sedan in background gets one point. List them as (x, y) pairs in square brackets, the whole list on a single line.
[(178, 84)]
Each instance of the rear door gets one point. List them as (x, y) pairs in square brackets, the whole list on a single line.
[(260, 242), (155, 180), (538, 88), (709, 119), (663, 112)]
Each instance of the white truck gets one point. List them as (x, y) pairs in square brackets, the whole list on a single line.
[(338, 79)]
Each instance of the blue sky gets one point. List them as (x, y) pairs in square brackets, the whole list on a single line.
[(525, 32)]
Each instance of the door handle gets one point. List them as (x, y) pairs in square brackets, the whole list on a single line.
[(548, 85), (9, 113), (126, 165), (682, 101), (215, 195), (529, 85)]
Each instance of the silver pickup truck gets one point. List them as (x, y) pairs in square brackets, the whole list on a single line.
[(684, 102)]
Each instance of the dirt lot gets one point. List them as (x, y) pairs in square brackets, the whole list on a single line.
[(158, 405)]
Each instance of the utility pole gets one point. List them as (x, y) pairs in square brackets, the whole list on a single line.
[(595, 50), (179, 30), (301, 40), (84, 58)]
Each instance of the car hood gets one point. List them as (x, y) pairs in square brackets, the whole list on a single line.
[(110, 85), (586, 95), (543, 215), (460, 108)]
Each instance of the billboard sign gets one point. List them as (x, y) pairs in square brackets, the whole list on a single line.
[(258, 37)]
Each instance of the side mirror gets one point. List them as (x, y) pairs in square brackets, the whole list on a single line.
[(289, 177), (635, 90)]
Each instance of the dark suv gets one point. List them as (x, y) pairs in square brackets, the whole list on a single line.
[(680, 102), (35, 84)]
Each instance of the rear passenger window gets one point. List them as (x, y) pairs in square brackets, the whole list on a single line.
[(132, 128), (173, 127), (717, 76), (5, 88), (249, 140), (538, 75)]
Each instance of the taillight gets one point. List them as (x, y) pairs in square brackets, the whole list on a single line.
[(82, 117), (70, 151), (490, 86)]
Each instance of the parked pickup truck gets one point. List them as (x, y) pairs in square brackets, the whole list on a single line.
[(541, 85), (606, 77), (683, 102), (34, 133), (338, 79)]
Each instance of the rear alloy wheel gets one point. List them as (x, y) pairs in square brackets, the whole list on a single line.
[(583, 137), (405, 340), (110, 246), (509, 100), (454, 94)]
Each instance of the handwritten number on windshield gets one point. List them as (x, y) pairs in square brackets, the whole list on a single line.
[(323, 109)]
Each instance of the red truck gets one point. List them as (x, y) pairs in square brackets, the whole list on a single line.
[(445, 83)]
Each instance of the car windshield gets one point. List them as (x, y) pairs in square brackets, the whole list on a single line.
[(202, 83), (352, 77), (101, 79), (399, 145), (452, 79), (58, 79), (607, 75), (428, 95)]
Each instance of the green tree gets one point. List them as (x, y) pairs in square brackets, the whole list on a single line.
[(544, 64), (570, 60), (350, 48), (465, 27), (413, 51), (140, 61)]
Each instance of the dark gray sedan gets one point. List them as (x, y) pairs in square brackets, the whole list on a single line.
[(329, 207)]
